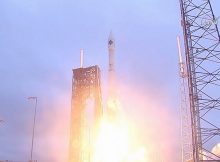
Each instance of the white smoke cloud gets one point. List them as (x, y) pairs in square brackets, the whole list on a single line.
[(216, 150)]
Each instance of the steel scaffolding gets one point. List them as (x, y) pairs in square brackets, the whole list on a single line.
[(202, 51)]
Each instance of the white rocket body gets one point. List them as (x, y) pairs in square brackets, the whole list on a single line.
[(112, 103), (111, 70)]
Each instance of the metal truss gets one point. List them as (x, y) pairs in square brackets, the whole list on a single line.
[(86, 84), (186, 135), (202, 50)]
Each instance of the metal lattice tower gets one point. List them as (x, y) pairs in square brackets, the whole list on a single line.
[(202, 50), (186, 135), (86, 84)]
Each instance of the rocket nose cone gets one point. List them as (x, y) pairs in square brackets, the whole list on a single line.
[(111, 37), (111, 40)]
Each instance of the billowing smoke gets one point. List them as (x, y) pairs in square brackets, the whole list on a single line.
[(216, 150), (147, 108), (155, 119)]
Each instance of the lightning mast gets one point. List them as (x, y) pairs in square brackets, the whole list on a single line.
[(202, 53)]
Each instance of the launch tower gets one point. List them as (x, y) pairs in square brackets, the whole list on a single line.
[(85, 85)]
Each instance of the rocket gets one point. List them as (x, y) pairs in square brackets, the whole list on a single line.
[(112, 103), (111, 68)]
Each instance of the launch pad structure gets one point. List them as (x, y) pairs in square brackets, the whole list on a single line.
[(85, 85), (202, 58)]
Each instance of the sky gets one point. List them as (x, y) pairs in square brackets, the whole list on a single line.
[(40, 41)]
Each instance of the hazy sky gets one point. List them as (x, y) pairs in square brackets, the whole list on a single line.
[(39, 45)]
